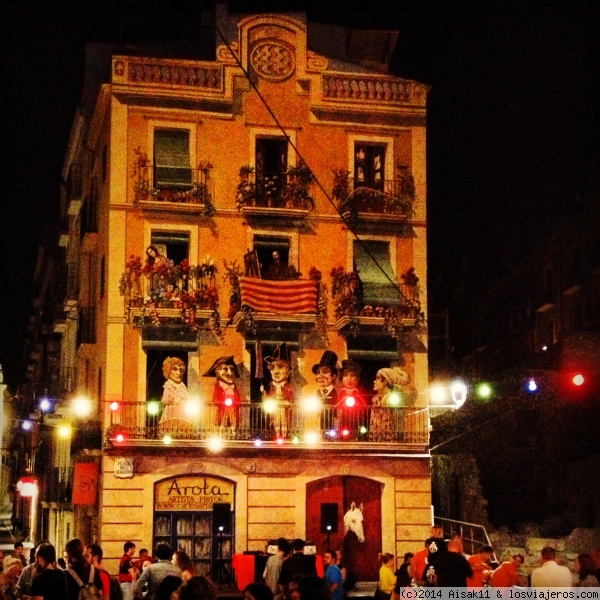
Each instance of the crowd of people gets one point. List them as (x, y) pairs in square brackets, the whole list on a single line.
[(289, 574), (443, 563)]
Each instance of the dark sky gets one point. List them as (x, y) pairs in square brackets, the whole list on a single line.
[(511, 116)]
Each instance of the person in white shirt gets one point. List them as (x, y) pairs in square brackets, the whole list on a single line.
[(551, 574)]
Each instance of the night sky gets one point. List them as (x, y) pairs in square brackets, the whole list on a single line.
[(512, 116)]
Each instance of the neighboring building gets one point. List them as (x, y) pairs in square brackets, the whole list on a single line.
[(538, 321), (249, 253)]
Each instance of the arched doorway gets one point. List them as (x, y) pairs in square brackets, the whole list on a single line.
[(328, 500)]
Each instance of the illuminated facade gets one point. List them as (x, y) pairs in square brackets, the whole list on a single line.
[(201, 229)]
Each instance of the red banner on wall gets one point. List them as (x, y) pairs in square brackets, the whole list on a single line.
[(85, 483)]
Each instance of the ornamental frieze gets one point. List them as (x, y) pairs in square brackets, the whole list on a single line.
[(273, 59), (165, 74), (383, 90)]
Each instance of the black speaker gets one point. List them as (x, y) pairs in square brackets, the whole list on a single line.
[(329, 517), (221, 518)]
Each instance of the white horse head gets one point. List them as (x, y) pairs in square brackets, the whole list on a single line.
[(353, 521)]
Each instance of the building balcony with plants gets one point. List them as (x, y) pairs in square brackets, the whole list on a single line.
[(265, 195), (173, 188), (362, 201), (159, 292)]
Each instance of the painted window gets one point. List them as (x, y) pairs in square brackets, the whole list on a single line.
[(172, 159)]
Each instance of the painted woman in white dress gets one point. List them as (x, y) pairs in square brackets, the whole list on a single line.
[(174, 418)]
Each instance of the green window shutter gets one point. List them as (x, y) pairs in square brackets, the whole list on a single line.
[(377, 288), (172, 158)]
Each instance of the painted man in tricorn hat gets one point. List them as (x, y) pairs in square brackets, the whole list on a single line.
[(280, 388), (226, 394)]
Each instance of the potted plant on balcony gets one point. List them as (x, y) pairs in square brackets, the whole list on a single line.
[(295, 192), (246, 188), (404, 193)]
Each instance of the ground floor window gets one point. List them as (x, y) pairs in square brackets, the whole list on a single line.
[(196, 514)]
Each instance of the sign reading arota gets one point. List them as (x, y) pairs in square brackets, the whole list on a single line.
[(192, 493)]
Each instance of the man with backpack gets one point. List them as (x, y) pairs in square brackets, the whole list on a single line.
[(111, 589), (83, 579)]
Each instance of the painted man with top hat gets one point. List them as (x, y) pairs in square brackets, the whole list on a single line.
[(226, 394), (280, 389)]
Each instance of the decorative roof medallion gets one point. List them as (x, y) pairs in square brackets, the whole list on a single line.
[(273, 59)]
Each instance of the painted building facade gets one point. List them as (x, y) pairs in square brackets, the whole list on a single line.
[(225, 213)]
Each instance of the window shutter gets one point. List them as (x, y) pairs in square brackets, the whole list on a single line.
[(172, 158), (377, 288)]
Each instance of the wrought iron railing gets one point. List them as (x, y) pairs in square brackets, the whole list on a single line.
[(180, 288), (252, 422), (87, 435), (288, 189), (389, 196), (57, 485), (348, 300), (176, 185)]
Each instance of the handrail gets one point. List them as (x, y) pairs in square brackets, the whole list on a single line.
[(447, 526), (251, 422)]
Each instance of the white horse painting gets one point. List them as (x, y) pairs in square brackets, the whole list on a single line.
[(353, 521)]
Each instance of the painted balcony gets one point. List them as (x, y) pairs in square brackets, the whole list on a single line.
[(173, 189), (265, 426), (181, 294), (280, 198)]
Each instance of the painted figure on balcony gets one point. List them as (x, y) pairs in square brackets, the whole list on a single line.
[(279, 269), (154, 258), (387, 385), (174, 418), (352, 402), (226, 395), (326, 373), (280, 389)]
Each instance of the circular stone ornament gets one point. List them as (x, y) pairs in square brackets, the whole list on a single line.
[(273, 60)]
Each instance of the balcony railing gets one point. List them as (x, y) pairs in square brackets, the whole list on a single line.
[(86, 330), (348, 300), (58, 485), (183, 186), (171, 291), (285, 190), (86, 436), (366, 425), (390, 198)]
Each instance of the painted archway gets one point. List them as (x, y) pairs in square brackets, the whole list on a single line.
[(343, 491)]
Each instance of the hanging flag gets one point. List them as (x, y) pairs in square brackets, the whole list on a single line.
[(284, 296), (85, 483)]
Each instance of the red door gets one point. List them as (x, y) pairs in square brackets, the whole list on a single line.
[(360, 558)]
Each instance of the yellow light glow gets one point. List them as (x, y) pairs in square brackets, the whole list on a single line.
[(167, 439), (64, 432), (82, 407), (438, 394), (312, 437), (295, 440), (394, 399), (311, 404), (192, 407), (153, 408), (270, 405), (114, 405), (215, 444)]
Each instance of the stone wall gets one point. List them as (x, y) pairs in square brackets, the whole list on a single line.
[(579, 541)]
